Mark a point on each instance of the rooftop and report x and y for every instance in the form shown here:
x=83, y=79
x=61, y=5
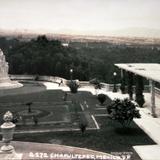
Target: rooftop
x=148, y=70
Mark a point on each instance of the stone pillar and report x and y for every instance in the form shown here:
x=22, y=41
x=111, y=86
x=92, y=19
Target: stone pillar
x=130, y=85
x=152, y=91
x=139, y=90
x=122, y=87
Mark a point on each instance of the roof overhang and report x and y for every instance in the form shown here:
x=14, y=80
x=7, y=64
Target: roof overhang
x=150, y=71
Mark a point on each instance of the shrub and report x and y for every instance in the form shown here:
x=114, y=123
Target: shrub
x=82, y=127
x=140, y=99
x=123, y=111
x=83, y=123
x=96, y=83
x=98, y=86
x=122, y=87
x=65, y=96
x=130, y=85
x=73, y=86
x=139, y=91
x=35, y=120
x=102, y=98
x=15, y=119
x=36, y=78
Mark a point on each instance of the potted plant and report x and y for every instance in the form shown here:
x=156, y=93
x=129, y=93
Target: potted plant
x=73, y=86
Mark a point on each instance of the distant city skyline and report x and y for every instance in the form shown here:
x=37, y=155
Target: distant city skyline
x=94, y=17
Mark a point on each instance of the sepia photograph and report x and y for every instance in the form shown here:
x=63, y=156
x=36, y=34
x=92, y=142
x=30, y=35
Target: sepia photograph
x=79, y=80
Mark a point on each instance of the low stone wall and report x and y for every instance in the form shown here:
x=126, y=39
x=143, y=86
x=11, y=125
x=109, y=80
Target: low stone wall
x=85, y=83
x=109, y=87
x=22, y=77
x=105, y=86
x=47, y=78
x=38, y=78
x=10, y=85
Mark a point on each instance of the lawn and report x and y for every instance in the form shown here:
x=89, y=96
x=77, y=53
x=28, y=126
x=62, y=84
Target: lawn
x=53, y=111
x=107, y=139
x=110, y=138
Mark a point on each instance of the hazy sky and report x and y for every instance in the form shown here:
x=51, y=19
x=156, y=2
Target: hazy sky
x=79, y=16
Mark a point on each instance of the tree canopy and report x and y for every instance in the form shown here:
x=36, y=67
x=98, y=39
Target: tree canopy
x=43, y=56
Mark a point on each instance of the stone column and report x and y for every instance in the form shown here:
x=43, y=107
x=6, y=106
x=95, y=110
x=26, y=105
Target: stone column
x=152, y=91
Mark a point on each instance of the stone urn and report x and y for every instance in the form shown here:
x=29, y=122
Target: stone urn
x=7, y=129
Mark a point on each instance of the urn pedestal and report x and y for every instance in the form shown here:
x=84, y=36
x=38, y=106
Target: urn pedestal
x=7, y=151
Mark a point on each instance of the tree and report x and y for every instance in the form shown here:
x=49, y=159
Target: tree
x=41, y=55
x=83, y=123
x=139, y=91
x=130, y=85
x=102, y=98
x=42, y=40
x=122, y=86
x=35, y=120
x=123, y=111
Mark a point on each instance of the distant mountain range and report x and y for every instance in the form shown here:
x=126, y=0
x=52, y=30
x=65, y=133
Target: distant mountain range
x=127, y=36
x=138, y=32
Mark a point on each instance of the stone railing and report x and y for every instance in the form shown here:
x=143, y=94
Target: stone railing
x=109, y=87
x=22, y=77
x=39, y=78
x=46, y=78
x=85, y=83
